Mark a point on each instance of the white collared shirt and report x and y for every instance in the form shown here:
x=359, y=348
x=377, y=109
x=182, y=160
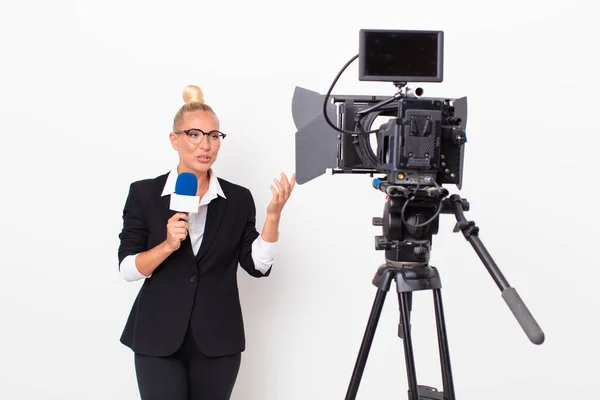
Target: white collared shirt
x=263, y=253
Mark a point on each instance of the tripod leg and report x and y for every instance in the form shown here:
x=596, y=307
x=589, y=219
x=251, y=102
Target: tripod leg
x=405, y=299
x=443, y=346
x=365, y=346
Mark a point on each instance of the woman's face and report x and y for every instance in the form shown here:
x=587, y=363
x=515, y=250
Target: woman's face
x=196, y=158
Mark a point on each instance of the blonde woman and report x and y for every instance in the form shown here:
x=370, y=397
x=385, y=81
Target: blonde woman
x=186, y=327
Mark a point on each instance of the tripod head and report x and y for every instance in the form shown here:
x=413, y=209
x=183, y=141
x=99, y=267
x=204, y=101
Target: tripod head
x=410, y=219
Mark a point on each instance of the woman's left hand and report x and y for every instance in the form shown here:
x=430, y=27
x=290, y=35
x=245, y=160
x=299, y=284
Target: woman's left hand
x=281, y=194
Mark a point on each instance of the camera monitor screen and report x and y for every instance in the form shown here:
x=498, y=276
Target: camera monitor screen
x=401, y=56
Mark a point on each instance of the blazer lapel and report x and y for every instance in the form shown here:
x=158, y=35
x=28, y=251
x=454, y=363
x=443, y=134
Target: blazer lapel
x=186, y=245
x=214, y=216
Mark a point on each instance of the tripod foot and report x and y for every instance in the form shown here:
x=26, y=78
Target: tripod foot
x=428, y=393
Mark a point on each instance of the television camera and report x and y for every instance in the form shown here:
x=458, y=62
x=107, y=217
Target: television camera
x=415, y=152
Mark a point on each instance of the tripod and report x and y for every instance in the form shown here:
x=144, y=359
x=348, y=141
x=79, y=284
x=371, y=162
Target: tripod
x=407, y=243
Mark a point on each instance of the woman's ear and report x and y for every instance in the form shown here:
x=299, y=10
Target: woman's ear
x=173, y=140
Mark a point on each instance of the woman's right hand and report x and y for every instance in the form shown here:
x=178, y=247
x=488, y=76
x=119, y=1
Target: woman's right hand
x=177, y=230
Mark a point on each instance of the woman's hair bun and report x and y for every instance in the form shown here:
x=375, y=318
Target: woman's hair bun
x=193, y=94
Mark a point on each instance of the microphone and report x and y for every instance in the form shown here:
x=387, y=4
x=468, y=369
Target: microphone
x=184, y=199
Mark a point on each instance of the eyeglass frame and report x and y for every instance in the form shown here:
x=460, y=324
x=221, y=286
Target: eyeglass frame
x=187, y=133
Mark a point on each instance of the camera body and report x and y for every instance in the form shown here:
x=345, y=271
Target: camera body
x=422, y=142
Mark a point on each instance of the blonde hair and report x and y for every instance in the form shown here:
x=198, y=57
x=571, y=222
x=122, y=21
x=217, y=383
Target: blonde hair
x=194, y=101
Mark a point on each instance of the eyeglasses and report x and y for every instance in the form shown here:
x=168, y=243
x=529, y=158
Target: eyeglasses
x=195, y=135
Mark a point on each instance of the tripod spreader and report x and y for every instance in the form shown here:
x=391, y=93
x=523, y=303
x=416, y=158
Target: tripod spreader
x=471, y=232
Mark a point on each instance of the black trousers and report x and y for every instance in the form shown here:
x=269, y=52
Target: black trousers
x=186, y=375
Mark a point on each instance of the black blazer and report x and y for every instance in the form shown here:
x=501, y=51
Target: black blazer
x=195, y=290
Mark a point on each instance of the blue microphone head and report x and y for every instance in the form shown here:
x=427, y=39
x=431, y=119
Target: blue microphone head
x=187, y=184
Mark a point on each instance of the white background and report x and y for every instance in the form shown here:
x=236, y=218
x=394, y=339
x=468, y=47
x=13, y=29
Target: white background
x=88, y=91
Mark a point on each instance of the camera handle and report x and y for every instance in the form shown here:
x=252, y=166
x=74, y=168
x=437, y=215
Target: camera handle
x=471, y=232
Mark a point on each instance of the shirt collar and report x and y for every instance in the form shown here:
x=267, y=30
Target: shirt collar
x=214, y=188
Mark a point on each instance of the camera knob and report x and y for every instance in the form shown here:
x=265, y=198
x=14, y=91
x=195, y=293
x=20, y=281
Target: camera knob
x=459, y=137
x=381, y=242
x=377, y=221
